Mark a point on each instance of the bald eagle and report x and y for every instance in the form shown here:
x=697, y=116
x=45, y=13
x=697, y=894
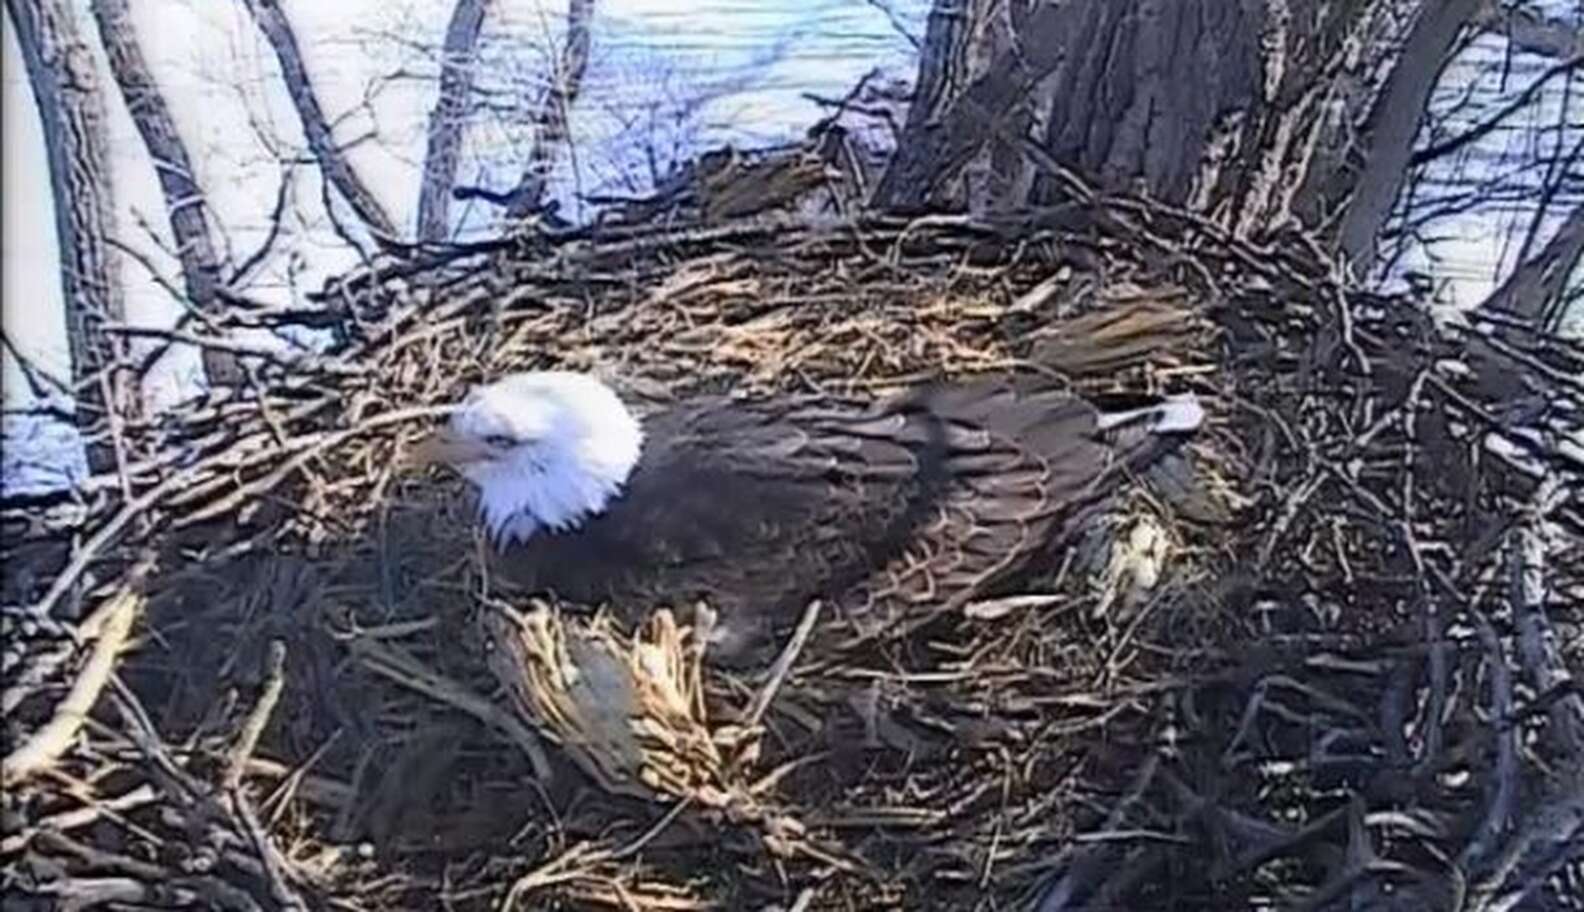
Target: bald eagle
x=894, y=512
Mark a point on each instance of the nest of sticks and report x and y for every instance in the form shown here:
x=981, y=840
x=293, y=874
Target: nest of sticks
x=260, y=665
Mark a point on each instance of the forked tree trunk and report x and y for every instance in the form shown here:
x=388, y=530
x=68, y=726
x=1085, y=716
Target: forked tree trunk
x=184, y=199
x=71, y=107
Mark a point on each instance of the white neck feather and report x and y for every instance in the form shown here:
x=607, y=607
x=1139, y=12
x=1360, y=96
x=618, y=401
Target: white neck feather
x=579, y=446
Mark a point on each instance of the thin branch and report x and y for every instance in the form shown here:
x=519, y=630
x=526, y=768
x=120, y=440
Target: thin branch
x=1523, y=99
x=552, y=116
x=331, y=157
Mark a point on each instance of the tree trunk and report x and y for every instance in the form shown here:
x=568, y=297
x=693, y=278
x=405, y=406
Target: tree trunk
x=1388, y=134
x=565, y=84
x=184, y=200
x=71, y=108
x=1252, y=114
x=445, y=124
x=277, y=30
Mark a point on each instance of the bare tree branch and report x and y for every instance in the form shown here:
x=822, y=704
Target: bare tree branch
x=1389, y=132
x=332, y=160
x=445, y=124
x=1518, y=103
x=565, y=84
x=71, y=109
x=1537, y=288
x=184, y=199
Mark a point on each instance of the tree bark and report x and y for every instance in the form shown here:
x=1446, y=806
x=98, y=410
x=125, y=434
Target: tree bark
x=71, y=108
x=1253, y=114
x=446, y=122
x=184, y=199
x=1386, y=143
x=955, y=112
x=1130, y=88
x=332, y=160
x=565, y=84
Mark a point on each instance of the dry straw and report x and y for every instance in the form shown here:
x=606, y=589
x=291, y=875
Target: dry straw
x=1326, y=663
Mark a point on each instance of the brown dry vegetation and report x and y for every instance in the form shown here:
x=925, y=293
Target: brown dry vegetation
x=1350, y=686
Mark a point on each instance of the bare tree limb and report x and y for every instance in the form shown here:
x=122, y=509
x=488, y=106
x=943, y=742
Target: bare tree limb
x=1393, y=123
x=65, y=83
x=565, y=84
x=1484, y=127
x=51, y=741
x=184, y=199
x=445, y=123
x=332, y=160
x=1537, y=287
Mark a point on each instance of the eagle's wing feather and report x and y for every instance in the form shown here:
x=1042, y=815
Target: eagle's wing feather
x=893, y=511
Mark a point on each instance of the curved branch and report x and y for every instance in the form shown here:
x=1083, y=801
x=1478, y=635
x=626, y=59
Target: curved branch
x=332, y=160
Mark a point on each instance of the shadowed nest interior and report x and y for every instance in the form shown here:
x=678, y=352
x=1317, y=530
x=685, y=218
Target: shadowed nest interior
x=1326, y=664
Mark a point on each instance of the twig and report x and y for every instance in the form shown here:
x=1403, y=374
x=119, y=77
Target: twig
x=50, y=742
x=648, y=836
x=45, y=665
x=66, y=821
x=402, y=668
x=274, y=863
x=253, y=725
x=783, y=663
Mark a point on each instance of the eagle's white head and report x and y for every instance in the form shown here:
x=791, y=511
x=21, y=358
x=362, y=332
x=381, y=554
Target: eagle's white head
x=547, y=450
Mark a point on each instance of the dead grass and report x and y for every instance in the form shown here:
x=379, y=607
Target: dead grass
x=1346, y=683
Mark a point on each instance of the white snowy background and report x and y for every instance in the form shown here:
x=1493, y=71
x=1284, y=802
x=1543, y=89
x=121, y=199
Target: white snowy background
x=666, y=80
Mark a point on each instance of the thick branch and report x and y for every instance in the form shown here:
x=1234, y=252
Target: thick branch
x=71, y=109
x=1393, y=123
x=184, y=200
x=277, y=29
x=445, y=123
x=1536, y=289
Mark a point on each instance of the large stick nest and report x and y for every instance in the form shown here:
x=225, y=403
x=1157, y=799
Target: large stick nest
x=261, y=666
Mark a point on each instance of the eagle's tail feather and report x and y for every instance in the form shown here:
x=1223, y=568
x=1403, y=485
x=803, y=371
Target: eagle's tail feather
x=1177, y=414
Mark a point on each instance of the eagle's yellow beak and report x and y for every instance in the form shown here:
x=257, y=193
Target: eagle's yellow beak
x=446, y=447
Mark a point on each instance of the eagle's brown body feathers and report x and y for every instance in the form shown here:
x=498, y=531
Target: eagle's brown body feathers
x=891, y=513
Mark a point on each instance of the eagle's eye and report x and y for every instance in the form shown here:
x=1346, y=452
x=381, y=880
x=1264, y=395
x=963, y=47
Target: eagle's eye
x=501, y=441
